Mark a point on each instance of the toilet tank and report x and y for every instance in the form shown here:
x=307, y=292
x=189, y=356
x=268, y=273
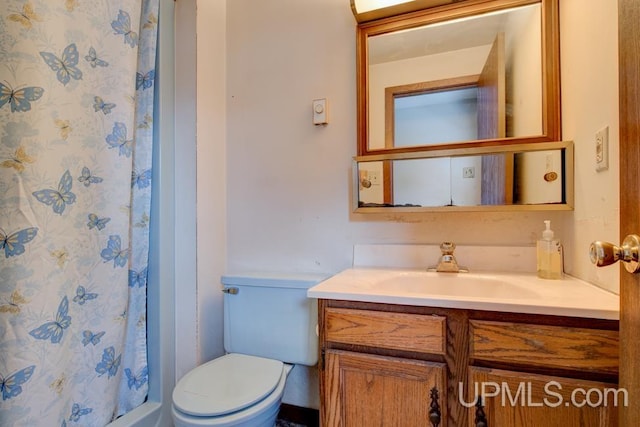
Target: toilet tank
x=271, y=316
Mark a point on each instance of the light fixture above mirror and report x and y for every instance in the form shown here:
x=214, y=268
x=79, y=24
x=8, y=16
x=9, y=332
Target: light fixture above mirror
x=369, y=10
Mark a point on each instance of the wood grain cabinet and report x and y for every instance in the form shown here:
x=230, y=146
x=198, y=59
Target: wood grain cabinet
x=524, y=399
x=391, y=365
x=383, y=386
x=364, y=390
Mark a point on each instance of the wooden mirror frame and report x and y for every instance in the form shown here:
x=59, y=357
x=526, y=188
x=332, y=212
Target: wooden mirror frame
x=550, y=50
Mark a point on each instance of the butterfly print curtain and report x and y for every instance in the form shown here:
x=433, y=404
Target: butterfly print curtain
x=76, y=140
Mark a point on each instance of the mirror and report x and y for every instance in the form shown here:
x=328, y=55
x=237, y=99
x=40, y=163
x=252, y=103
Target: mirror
x=467, y=74
x=527, y=176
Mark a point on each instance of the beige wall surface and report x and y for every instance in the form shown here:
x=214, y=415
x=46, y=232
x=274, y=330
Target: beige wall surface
x=275, y=188
x=288, y=180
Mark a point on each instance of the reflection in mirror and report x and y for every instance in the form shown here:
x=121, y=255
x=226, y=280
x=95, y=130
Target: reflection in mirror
x=431, y=116
x=481, y=75
x=539, y=179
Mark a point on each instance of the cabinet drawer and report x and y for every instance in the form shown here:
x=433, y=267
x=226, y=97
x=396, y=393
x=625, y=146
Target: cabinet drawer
x=581, y=349
x=397, y=331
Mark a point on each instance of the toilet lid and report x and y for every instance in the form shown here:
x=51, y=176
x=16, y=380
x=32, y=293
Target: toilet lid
x=226, y=384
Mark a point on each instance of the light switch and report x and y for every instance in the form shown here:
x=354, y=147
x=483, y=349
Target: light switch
x=320, y=116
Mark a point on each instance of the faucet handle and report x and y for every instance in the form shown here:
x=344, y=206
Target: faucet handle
x=447, y=248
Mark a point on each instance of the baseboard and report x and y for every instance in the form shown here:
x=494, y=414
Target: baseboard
x=296, y=414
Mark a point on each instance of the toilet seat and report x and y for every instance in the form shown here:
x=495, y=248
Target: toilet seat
x=227, y=384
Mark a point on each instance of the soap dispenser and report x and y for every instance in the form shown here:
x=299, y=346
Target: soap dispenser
x=549, y=255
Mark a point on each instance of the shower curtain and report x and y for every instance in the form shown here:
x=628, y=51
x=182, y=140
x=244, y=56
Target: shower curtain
x=76, y=139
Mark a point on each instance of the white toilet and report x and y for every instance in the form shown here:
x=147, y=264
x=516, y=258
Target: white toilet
x=269, y=325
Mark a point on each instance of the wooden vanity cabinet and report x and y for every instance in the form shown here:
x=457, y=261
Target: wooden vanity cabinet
x=528, y=393
x=387, y=365
x=526, y=399
x=392, y=365
x=363, y=389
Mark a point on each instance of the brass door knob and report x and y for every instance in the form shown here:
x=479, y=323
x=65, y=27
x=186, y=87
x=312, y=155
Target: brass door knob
x=605, y=253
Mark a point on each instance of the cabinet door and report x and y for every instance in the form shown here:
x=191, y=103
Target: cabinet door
x=362, y=389
x=519, y=399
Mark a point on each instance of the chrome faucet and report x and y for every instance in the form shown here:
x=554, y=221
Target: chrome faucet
x=447, y=262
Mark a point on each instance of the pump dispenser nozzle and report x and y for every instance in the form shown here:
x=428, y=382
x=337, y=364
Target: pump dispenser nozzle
x=549, y=253
x=548, y=233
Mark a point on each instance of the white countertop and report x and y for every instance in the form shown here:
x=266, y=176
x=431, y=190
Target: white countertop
x=508, y=292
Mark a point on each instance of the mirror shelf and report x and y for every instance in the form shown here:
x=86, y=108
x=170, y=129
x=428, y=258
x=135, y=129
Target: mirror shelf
x=399, y=45
x=522, y=177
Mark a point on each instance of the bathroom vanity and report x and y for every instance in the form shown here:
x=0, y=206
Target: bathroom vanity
x=397, y=350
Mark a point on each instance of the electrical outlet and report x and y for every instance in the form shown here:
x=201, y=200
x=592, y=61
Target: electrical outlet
x=469, y=172
x=602, y=149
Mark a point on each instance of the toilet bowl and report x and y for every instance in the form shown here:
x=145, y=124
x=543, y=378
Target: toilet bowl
x=269, y=326
x=233, y=390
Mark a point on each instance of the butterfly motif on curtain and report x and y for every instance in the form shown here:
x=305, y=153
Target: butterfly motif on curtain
x=13, y=244
x=138, y=278
x=11, y=386
x=60, y=198
x=18, y=160
x=93, y=60
x=144, y=221
x=89, y=337
x=58, y=384
x=77, y=411
x=61, y=256
x=19, y=99
x=114, y=252
x=87, y=179
x=83, y=296
x=109, y=364
x=64, y=67
x=118, y=138
x=100, y=105
x=146, y=122
x=26, y=17
x=13, y=304
x=145, y=81
x=138, y=380
x=122, y=25
x=64, y=126
x=54, y=329
x=70, y=5
x=97, y=222
x=152, y=22
x=142, y=179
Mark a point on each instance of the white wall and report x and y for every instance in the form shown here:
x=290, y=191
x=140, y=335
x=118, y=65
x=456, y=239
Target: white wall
x=413, y=181
x=524, y=74
x=531, y=169
x=184, y=153
x=211, y=174
x=373, y=172
x=287, y=181
x=589, y=46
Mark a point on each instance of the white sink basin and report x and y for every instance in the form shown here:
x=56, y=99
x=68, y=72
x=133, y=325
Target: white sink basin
x=512, y=292
x=446, y=284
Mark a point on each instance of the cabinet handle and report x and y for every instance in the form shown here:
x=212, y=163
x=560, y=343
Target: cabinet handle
x=481, y=418
x=434, y=408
